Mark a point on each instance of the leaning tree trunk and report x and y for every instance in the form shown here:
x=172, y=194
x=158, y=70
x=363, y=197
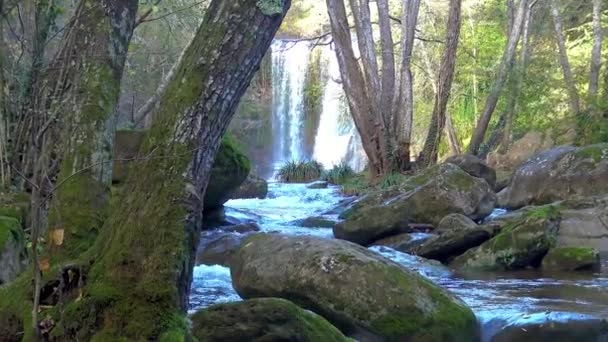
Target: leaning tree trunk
x=137, y=287
x=446, y=75
x=499, y=82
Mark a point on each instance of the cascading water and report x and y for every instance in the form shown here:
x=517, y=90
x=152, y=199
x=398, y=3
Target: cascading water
x=289, y=64
x=336, y=139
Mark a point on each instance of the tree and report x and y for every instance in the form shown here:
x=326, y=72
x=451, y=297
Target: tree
x=382, y=111
x=501, y=77
x=446, y=75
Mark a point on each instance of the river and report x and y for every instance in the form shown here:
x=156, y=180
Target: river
x=498, y=299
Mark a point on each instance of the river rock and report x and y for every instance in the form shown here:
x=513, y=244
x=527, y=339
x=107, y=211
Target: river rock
x=521, y=243
x=13, y=256
x=452, y=243
x=318, y=185
x=568, y=259
x=475, y=167
x=242, y=228
x=424, y=198
x=262, y=320
x=230, y=169
x=404, y=242
x=314, y=222
x=218, y=248
x=367, y=296
x=554, y=327
x=584, y=223
x=252, y=187
x=520, y=151
x=558, y=174
x=455, y=222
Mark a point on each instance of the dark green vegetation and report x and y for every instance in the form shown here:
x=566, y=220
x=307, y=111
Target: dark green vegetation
x=302, y=171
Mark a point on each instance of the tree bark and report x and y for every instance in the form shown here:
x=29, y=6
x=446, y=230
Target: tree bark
x=596, y=59
x=428, y=155
x=570, y=83
x=499, y=82
x=371, y=128
x=142, y=266
x=4, y=117
x=388, y=60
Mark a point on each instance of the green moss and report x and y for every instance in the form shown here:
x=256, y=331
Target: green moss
x=10, y=228
x=271, y=7
x=571, y=259
x=596, y=152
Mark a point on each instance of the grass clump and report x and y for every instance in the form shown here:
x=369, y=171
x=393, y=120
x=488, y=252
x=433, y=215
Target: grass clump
x=339, y=174
x=302, y=171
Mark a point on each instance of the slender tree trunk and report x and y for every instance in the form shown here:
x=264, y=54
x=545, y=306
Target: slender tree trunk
x=142, y=263
x=453, y=139
x=370, y=126
x=501, y=77
x=596, y=60
x=4, y=117
x=388, y=60
x=404, y=112
x=429, y=153
x=570, y=83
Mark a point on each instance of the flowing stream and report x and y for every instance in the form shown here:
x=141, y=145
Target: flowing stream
x=497, y=299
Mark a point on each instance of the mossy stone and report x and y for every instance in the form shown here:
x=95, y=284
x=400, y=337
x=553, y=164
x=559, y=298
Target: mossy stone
x=264, y=319
x=571, y=259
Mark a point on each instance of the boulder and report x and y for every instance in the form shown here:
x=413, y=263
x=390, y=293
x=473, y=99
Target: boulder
x=454, y=222
x=566, y=259
x=424, y=198
x=584, y=223
x=13, y=256
x=404, y=242
x=521, y=243
x=520, y=151
x=314, y=222
x=230, y=169
x=475, y=167
x=554, y=327
x=365, y=295
x=318, y=185
x=242, y=228
x=218, y=248
x=452, y=243
x=252, y=187
x=262, y=320
x=558, y=174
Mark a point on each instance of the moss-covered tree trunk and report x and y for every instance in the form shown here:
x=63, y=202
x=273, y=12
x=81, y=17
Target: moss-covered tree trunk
x=138, y=284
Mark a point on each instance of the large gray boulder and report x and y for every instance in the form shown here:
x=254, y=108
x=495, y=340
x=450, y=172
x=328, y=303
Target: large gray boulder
x=475, y=167
x=364, y=294
x=13, y=257
x=452, y=243
x=262, y=320
x=252, y=187
x=424, y=198
x=558, y=174
x=584, y=223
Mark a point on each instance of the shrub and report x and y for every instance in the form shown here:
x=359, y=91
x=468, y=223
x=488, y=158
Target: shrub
x=302, y=171
x=339, y=174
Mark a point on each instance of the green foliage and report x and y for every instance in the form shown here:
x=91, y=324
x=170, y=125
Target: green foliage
x=339, y=174
x=270, y=7
x=302, y=171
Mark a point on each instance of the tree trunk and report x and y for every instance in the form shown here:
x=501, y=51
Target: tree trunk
x=142, y=266
x=388, y=61
x=499, y=82
x=594, y=113
x=570, y=83
x=446, y=75
x=4, y=117
x=371, y=128
x=404, y=111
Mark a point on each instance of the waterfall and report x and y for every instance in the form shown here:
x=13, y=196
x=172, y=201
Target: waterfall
x=336, y=136
x=289, y=65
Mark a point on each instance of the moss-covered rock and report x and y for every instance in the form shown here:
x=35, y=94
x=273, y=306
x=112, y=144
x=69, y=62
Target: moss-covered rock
x=455, y=222
x=452, y=243
x=252, y=187
x=362, y=293
x=571, y=259
x=558, y=174
x=424, y=198
x=13, y=257
x=265, y=319
x=521, y=243
x=404, y=242
x=230, y=169
x=475, y=167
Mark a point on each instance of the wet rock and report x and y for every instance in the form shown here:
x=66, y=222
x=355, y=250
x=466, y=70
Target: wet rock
x=318, y=185
x=252, y=187
x=342, y=206
x=424, y=198
x=521, y=243
x=13, y=256
x=364, y=294
x=520, y=151
x=264, y=319
x=242, y=228
x=230, y=169
x=455, y=222
x=314, y=222
x=475, y=167
x=572, y=259
x=554, y=327
x=405, y=242
x=584, y=223
x=558, y=174
x=218, y=248
x=214, y=218
x=452, y=243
